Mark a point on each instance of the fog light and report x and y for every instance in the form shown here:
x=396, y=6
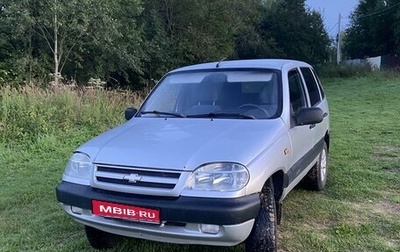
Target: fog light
x=210, y=229
x=76, y=210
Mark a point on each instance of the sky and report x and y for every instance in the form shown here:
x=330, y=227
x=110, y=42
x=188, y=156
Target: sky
x=330, y=10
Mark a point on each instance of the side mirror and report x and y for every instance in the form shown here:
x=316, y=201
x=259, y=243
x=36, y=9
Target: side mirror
x=129, y=113
x=308, y=116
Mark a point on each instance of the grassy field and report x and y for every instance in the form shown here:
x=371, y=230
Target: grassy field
x=358, y=211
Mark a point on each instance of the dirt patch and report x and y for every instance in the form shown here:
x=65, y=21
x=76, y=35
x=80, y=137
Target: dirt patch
x=387, y=153
x=386, y=208
x=389, y=157
x=381, y=208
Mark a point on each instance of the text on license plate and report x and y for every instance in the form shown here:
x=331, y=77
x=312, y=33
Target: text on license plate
x=107, y=209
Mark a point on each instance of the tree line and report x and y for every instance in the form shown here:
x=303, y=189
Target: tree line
x=374, y=29
x=130, y=43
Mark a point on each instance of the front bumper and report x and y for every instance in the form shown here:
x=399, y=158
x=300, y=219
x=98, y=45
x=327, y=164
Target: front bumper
x=181, y=217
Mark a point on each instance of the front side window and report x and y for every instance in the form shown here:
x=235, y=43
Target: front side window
x=224, y=94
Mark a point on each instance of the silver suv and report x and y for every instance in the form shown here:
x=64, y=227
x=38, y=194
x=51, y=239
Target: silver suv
x=207, y=158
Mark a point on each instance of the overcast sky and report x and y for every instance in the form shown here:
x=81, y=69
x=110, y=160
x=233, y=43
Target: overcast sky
x=330, y=10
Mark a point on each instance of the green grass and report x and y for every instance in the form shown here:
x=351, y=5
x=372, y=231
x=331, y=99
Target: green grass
x=358, y=211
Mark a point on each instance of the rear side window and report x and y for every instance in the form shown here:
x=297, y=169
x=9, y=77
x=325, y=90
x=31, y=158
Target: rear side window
x=319, y=84
x=312, y=86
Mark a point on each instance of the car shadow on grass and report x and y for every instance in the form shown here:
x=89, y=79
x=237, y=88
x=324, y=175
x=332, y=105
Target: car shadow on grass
x=132, y=244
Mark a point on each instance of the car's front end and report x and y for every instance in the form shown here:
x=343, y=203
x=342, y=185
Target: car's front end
x=187, y=193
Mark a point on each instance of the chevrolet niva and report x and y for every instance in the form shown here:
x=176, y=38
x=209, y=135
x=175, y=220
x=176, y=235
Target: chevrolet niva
x=207, y=159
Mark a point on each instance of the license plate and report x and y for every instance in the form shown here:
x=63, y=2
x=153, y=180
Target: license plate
x=113, y=210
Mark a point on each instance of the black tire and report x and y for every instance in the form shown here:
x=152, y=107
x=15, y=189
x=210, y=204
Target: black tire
x=317, y=176
x=101, y=240
x=263, y=237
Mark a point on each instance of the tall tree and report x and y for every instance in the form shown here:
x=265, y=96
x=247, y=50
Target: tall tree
x=374, y=29
x=68, y=26
x=202, y=30
x=19, y=46
x=297, y=31
x=253, y=40
x=70, y=34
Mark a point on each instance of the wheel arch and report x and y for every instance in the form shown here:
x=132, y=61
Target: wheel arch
x=277, y=180
x=327, y=139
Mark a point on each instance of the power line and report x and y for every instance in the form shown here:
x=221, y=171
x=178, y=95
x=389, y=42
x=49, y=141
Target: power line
x=333, y=27
x=379, y=12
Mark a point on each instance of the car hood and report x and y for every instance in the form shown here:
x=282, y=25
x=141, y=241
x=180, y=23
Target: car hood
x=182, y=143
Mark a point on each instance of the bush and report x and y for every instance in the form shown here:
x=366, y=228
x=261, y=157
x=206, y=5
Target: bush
x=343, y=71
x=29, y=114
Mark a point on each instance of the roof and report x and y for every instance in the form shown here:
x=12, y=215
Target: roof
x=256, y=63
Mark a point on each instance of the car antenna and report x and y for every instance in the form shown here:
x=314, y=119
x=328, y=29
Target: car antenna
x=219, y=62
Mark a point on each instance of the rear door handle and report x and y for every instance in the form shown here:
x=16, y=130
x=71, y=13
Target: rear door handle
x=325, y=114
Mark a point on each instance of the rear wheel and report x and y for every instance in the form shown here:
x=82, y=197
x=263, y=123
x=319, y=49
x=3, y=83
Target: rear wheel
x=263, y=236
x=101, y=240
x=316, y=177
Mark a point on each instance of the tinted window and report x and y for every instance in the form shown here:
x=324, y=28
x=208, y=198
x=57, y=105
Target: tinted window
x=312, y=86
x=296, y=90
x=319, y=84
x=227, y=93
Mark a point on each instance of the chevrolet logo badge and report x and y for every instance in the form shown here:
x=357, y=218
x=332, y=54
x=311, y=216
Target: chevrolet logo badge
x=132, y=178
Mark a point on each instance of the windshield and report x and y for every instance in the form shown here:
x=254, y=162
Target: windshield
x=223, y=94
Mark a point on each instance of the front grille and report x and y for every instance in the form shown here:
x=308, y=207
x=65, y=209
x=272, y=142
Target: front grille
x=133, y=177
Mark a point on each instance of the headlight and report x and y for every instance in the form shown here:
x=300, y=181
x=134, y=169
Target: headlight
x=78, y=169
x=218, y=177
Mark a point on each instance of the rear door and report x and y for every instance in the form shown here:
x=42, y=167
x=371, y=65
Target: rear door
x=301, y=136
x=317, y=99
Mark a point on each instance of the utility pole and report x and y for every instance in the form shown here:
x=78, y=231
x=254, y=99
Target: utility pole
x=339, y=40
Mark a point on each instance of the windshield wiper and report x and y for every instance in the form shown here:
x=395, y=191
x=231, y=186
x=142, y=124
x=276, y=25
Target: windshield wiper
x=222, y=115
x=156, y=112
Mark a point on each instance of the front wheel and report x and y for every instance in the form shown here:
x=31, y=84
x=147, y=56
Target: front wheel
x=101, y=240
x=263, y=237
